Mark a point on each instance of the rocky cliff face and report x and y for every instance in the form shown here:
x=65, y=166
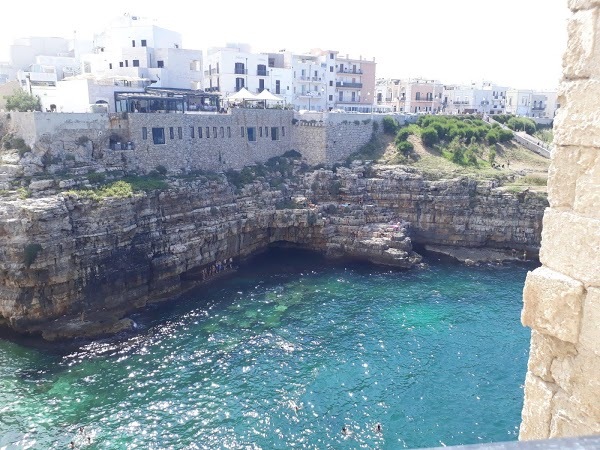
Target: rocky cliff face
x=69, y=263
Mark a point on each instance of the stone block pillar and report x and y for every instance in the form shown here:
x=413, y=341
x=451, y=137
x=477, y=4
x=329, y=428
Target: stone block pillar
x=562, y=298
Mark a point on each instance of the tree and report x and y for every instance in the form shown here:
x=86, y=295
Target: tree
x=22, y=101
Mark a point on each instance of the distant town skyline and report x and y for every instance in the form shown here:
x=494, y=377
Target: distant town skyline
x=517, y=43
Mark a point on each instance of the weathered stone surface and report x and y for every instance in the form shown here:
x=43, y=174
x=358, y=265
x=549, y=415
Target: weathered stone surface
x=552, y=304
x=571, y=245
x=576, y=5
x=590, y=321
x=578, y=119
x=543, y=351
x=587, y=192
x=537, y=409
x=582, y=58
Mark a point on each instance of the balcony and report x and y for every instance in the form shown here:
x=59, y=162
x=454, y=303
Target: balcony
x=312, y=94
x=346, y=70
x=309, y=79
x=241, y=71
x=262, y=73
x=347, y=85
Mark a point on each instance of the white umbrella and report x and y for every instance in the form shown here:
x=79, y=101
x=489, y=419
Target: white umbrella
x=242, y=94
x=266, y=95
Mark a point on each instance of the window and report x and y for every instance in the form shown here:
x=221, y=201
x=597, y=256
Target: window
x=222, y=132
x=341, y=96
x=330, y=82
x=331, y=68
x=192, y=132
x=180, y=132
x=133, y=43
x=418, y=96
x=259, y=131
x=120, y=63
x=331, y=98
x=331, y=56
x=267, y=131
x=199, y=132
x=242, y=131
x=136, y=63
x=261, y=70
x=207, y=132
x=143, y=42
x=228, y=132
x=171, y=133
x=126, y=63
x=261, y=85
x=144, y=133
x=215, y=132
x=283, y=131
x=274, y=133
x=110, y=65
x=160, y=64
x=239, y=68
x=158, y=135
x=251, y=134
x=239, y=84
x=277, y=87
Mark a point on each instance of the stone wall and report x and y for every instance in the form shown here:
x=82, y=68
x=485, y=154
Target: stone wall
x=328, y=143
x=562, y=298
x=191, y=141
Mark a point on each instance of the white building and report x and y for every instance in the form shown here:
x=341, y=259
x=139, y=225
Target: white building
x=133, y=48
x=485, y=98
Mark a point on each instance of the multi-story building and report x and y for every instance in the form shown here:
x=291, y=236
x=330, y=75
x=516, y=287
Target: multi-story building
x=486, y=98
x=319, y=80
x=133, y=48
x=233, y=67
x=410, y=96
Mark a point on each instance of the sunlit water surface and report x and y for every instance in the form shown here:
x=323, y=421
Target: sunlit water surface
x=437, y=356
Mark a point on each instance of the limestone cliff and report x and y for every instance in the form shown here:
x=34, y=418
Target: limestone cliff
x=62, y=255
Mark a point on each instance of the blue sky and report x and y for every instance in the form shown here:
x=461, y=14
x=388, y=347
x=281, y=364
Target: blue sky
x=518, y=43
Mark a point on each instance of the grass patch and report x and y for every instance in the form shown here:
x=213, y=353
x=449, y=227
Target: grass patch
x=125, y=188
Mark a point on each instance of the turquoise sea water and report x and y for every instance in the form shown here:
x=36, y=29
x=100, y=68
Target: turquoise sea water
x=437, y=356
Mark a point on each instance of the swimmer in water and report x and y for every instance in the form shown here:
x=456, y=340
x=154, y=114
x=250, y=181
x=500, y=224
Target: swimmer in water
x=345, y=431
x=294, y=406
x=378, y=428
x=72, y=444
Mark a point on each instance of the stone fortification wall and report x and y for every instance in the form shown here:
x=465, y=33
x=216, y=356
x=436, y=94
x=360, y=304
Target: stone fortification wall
x=562, y=298
x=328, y=143
x=141, y=142
x=208, y=141
x=310, y=140
x=346, y=138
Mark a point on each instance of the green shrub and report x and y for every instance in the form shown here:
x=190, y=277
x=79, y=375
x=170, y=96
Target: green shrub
x=96, y=178
x=30, y=253
x=82, y=141
x=23, y=193
x=429, y=136
x=492, y=136
x=403, y=134
x=492, y=157
x=161, y=170
x=357, y=122
x=405, y=147
x=335, y=187
x=22, y=101
x=505, y=135
x=390, y=126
